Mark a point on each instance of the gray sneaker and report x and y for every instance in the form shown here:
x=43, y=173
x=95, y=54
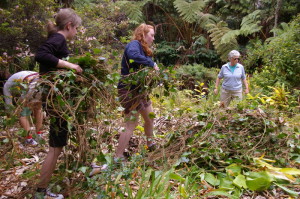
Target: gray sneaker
x=47, y=195
x=97, y=169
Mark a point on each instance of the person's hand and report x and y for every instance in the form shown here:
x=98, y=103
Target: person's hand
x=76, y=67
x=246, y=91
x=156, y=67
x=216, y=91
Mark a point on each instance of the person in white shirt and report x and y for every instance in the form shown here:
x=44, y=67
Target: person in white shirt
x=20, y=89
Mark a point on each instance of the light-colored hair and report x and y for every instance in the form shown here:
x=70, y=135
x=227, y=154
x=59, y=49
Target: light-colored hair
x=139, y=34
x=233, y=53
x=62, y=18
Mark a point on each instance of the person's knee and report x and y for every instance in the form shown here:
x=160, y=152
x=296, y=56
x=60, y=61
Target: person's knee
x=130, y=126
x=149, y=121
x=56, y=150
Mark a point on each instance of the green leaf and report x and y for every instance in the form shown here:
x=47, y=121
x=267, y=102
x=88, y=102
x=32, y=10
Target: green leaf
x=152, y=115
x=101, y=157
x=131, y=61
x=84, y=90
x=234, y=169
x=220, y=192
x=258, y=181
x=96, y=50
x=240, y=181
x=60, y=100
x=226, y=183
x=210, y=178
x=183, y=191
x=83, y=169
x=177, y=177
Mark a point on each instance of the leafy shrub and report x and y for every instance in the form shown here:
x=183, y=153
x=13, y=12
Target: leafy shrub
x=283, y=52
x=190, y=74
x=22, y=26
x=253, y=59
x=167, y=53
x=22, y=31
x=200, y=54
x=171, y=53
x=279, y=56
x=102, y=22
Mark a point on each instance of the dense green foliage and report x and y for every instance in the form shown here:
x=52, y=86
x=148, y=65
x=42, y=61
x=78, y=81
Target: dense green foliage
x=278, y=57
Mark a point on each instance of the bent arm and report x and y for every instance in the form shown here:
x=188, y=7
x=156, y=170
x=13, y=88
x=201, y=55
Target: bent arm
x=134, y=53
x=246, y=86
x=64, y=64
x=46, y=56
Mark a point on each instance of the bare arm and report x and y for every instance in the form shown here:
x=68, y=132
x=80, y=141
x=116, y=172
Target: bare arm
x=65, y=64
x=217, y=85
x=246, y=86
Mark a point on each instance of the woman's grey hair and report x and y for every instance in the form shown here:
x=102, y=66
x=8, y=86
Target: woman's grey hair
x=233, y=53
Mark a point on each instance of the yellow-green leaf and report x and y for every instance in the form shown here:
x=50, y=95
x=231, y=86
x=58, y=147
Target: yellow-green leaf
x=240, y=181
x=234, y=169
x=210, y=178
x=290, y=171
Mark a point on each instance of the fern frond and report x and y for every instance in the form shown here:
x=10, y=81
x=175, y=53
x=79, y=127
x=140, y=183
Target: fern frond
x=223, y=38
x=188, y=11
x=133, y=9
x=230, y=36
x=284, y=28
x=205, y=18
x=250, y=23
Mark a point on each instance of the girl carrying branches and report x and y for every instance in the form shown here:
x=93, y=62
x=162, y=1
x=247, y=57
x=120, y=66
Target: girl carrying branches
x=50, y=56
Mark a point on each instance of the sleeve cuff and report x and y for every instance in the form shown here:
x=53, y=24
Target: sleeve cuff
x=152, y=64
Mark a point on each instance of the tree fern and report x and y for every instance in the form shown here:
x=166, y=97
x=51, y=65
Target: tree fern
x=205, y=18
x=188, y=11
x=250, y=23
x=229, y=36
x=241, y=6
x=133, y=9
x=283, y=28
x=217, y=32
x=224, y=38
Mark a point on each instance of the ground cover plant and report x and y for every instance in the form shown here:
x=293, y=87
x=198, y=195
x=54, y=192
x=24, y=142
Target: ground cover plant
x=248, y=150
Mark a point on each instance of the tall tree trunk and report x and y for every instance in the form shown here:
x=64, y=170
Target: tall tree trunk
x=277, y=10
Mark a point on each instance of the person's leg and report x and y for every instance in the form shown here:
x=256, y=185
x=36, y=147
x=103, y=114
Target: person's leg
x=148, y=125
x=49, y=166
x=25, y=124
x=225, y=97
x=237, y=95
x=58, y=135
x=38, y=115
x=131, y=121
